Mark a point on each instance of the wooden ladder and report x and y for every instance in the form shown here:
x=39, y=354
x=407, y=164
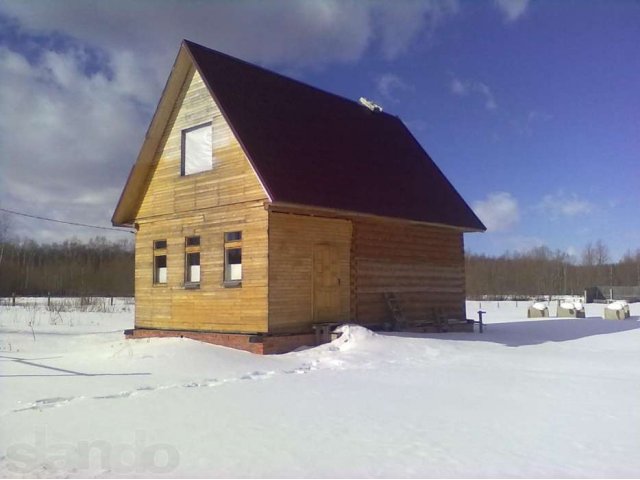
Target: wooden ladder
x=394, y=307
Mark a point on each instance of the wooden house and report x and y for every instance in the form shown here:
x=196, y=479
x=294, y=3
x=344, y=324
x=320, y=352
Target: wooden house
x=264, y=207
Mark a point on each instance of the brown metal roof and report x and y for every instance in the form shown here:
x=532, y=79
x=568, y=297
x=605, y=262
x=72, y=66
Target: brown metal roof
x=310, y=147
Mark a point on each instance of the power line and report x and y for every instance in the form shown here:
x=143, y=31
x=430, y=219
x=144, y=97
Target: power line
x=62, y=221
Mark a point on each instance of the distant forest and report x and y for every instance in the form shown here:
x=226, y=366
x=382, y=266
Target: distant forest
x=97, y=267
x=100, y=267
x=541, y=271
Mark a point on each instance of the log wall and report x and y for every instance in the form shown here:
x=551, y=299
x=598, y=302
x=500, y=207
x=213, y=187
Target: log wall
x=423, y=265
x=291, y=256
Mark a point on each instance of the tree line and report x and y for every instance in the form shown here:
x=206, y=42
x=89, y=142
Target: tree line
x=97, y=267
x=542, y=271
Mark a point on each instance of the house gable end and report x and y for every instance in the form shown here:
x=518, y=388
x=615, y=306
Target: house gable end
x=230, y=180
x=157, y=185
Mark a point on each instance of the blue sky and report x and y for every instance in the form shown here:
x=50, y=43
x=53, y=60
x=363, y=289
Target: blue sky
x=530, y=108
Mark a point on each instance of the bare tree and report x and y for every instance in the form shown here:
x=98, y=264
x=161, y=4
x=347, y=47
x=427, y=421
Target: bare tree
x=4, y=232
x=5, y=224
x=602, y=253
x=588, y=257
x=595, y=254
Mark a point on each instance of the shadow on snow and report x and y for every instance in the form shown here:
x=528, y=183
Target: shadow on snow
x=63, y=371
x=535, y=332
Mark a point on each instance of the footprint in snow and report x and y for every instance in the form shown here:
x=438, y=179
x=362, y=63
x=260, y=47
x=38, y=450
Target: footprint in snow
x=204, y=383
x=256, y=375
x=115, y=395
x=305, y=368
x=192, y=385
x=46, y=403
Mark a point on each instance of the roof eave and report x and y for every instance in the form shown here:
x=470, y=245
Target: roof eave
x=315, y=210
x=133, y=192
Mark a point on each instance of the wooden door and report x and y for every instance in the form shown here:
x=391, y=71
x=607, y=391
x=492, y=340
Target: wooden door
x=326, y=283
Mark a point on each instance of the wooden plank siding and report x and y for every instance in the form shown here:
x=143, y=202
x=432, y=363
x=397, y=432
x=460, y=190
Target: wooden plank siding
x=291, y=270
x=227, y=198
x=213, y=306
x=232, y=180
x=423, y=265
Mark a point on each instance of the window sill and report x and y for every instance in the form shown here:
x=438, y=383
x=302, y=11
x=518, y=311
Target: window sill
x=192, y=175
x=232, y=283
x=192, y=286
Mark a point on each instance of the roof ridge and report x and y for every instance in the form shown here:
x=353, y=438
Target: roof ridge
x=342, y=98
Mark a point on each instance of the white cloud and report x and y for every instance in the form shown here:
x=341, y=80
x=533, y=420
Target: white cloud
x=466, y=87
x=399, y=23
x=573, y=252
x=69, y=137
x=278, y=31
x=499, y=211
x=458, y=88
x=512, y=9
x=74, y=131
x=389, y=84
x=536, y=116
x=527, y=125
x=489, y=101
x=523, y=243
x=566, y=205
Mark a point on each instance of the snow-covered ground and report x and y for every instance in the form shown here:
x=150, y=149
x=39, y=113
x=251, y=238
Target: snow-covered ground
x=527, y=398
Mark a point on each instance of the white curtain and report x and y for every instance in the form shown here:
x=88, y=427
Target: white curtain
x=194, y=273
x=198, y=150
x=162, y=275
x=235, y=271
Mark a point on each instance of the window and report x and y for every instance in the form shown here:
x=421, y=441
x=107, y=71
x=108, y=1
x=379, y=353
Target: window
x=192, y=262
x=232, y=236
x=192, y=241
x=160, y=262
x=232, y=258
x=197, y=149
x=193, y=268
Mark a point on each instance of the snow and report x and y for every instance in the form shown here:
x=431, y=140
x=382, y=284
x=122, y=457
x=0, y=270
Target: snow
x=542, y=397
x=539, y=306
x=618, y=305
x=572, y=305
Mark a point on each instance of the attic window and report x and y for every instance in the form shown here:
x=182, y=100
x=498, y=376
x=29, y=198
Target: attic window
x=197, y=149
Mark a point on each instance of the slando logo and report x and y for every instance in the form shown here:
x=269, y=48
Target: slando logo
x=119, y=458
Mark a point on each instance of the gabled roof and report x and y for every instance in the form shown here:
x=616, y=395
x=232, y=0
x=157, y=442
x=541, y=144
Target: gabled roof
x=314, y=148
